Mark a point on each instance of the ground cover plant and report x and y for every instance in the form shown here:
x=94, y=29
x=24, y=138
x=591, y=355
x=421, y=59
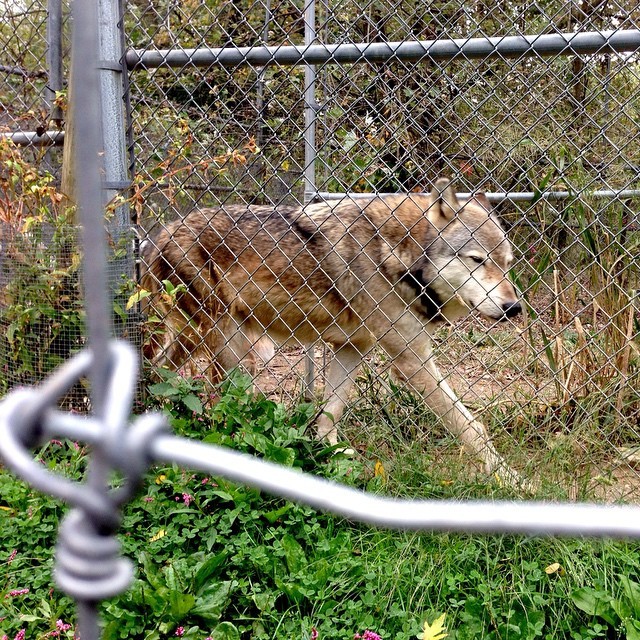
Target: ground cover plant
x=216, y=560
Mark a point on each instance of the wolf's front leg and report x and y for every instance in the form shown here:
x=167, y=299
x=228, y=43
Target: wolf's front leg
x=413, y=365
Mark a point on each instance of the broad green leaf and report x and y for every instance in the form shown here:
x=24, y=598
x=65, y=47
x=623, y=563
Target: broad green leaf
x=180, y=604
x=212, y=602
x=631, y=590
x=282, y=455
x=208, y=569
x=226, y=631
x=192, y=403
x=595, y=603
x=632, y=627
x=274, y=516
x=293, y=553
x=139, y=295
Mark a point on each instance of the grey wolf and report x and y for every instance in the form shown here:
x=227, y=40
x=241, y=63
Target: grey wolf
x=360, y=275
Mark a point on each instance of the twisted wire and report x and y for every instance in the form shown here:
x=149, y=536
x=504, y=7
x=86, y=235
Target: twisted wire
x=88, y=562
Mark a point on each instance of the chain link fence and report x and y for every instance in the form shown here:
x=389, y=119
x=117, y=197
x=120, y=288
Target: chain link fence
x=42, y=318
x=549, y=133
x=534, y=104
x=34, y=48
x=39, y=311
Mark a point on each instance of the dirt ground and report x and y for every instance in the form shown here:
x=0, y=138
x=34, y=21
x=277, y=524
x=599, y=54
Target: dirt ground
x=495, y=370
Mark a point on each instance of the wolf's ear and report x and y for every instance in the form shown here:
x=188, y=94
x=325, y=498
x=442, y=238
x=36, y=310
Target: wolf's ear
x=481, y=198
x=445, y=203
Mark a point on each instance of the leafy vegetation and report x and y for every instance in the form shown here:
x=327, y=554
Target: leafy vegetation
x=224, y=561
x=41, y=318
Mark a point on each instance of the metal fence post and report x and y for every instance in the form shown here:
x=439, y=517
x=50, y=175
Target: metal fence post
x=110, y=64
x=54, y=59
x=310, y=153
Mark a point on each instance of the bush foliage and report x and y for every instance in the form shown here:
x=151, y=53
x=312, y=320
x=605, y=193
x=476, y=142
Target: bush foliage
x=219, y=560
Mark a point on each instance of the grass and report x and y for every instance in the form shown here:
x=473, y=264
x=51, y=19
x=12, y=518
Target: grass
x=224, y=561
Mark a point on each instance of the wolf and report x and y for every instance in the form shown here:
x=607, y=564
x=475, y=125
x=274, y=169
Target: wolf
x=379, y=273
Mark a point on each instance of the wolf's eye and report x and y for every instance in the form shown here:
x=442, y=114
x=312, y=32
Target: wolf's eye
x=477, y=259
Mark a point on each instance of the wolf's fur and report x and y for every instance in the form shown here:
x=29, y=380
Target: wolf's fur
x=380, y=272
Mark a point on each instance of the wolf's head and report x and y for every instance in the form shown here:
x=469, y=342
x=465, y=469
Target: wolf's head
x=466, y=263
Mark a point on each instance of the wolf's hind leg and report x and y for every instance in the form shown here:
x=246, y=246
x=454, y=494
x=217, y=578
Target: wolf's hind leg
x=342, y=374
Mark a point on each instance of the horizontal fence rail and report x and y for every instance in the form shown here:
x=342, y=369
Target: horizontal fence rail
x=25, y=138
x=516, y=196
x=582, y=43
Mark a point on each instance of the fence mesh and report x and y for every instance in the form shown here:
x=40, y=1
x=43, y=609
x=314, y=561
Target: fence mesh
x=557, y=386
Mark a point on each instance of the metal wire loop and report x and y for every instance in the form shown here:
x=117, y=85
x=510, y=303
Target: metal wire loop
x=27, y=417
x=88, y=564
x=15, y=408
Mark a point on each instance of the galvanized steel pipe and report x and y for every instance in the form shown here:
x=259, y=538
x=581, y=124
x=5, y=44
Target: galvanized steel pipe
x=590, y=42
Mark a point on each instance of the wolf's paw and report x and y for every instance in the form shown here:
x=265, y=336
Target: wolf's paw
x=347, y=452
x=505, y=476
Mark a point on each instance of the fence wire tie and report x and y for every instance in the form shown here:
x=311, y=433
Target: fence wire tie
x=88, y=562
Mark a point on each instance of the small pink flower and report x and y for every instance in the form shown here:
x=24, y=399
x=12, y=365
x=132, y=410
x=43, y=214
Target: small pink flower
x=180, y=631
x=187, y=498
x=12, y=556
x=16, y=592
x=314, y=633
x=56, y=442
x=62, y=626
x=20, y=635
x=148, y=499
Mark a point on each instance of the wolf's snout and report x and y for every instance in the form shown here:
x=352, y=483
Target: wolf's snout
x=511, y=309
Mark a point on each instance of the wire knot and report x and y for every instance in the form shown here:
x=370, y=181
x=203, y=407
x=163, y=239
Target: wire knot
x=88, y=555
x=88, y=564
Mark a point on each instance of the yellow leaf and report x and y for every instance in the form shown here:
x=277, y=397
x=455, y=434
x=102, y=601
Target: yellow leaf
x=555, y=567
x=161, y=534
x=139, y=295
x=379, y=471
x=160, y=479
x=435, y=631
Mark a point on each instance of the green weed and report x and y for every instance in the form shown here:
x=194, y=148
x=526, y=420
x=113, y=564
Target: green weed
x=224, y=561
